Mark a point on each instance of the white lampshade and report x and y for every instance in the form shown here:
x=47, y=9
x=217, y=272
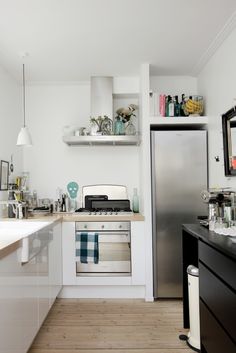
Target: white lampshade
x=24, y=137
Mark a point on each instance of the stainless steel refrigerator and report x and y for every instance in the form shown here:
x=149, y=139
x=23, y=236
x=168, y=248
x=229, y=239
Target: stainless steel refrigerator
x=179, y=174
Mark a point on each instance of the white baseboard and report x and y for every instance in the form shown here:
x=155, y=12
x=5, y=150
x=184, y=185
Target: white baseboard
x=149, y=299
x=106, y=292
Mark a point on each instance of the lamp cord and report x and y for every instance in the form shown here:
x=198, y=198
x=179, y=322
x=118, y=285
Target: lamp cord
x=24, y=93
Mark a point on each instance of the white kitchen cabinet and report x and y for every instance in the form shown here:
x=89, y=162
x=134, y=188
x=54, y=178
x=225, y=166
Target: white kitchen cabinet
x=18, y=303
x=55, y=263
x=68, y=253
x=42, y=260
x=49, y=275
x=28, y=290
x=138, y=253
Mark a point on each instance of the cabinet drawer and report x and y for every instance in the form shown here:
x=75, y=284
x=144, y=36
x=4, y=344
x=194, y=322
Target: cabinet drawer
x=219, y=263
x=213, y=337
x=219, y=298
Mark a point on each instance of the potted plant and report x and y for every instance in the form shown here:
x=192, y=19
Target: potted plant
x=123, y=123
x=102, y=125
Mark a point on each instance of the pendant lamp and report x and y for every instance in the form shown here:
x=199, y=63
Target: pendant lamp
x=24, y=137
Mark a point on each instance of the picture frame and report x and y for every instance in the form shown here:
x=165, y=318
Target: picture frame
x=229, y=141
x=4, y=175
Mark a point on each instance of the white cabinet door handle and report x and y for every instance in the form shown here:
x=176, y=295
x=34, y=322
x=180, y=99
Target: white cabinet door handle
x=25, y=250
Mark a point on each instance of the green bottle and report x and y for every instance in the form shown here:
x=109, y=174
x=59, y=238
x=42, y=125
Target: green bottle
x=177, y=106
x=168, y=99
x=182, y=103
x=135, y=201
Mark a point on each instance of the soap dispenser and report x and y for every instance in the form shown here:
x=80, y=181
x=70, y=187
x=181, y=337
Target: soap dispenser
x=135, y=201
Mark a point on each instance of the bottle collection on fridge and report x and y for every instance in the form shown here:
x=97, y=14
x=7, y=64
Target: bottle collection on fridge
x=170, y=106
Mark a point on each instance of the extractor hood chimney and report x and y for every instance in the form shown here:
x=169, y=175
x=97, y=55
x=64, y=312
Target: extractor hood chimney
x=101, y=96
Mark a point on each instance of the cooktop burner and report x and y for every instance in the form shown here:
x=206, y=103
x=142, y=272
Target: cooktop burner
x=98, y=206
x=104, y=212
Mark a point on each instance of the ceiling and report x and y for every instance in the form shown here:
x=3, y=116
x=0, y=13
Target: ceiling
x=71, y=40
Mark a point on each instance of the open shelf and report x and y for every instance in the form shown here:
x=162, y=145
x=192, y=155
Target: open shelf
x=105, y=140
x=185, y=120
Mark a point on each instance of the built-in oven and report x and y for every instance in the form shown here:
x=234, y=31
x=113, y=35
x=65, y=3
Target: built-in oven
x=113, y=247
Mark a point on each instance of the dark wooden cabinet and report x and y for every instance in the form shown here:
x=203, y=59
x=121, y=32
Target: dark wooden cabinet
x=217, y=288
x=220, y=264
x=213, y=338
x=217, y=300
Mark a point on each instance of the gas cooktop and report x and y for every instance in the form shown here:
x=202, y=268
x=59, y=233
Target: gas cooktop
x=105, y=207
x=104, y=212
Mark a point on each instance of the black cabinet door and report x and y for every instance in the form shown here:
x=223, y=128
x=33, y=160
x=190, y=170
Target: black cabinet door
x=219, y=298
x=213, y=337
x=223, y=266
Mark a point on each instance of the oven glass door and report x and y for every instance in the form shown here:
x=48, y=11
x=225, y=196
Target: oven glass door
x=114, y=256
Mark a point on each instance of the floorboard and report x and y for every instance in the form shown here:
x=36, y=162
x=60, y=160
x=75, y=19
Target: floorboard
x=112, y=326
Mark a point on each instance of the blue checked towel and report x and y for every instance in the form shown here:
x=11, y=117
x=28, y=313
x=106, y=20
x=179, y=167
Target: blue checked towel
x=87, y=249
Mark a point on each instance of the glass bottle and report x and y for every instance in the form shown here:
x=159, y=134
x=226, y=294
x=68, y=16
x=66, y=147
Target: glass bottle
x=119, y=127
x=182, y=103
x=11, y=196
x=168, y=99
x=171, y=107
x=35, y=199
x=177, y=106
x=130, y=128
x=135, y=201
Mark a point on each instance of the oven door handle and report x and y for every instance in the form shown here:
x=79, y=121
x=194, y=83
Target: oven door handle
x=111, y=237
x=102, y=232
x=113, y=233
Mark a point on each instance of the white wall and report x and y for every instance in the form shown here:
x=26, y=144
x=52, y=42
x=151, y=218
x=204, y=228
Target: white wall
x=174, y=85
x=10, y=122
x=217, y=82
x=52, y=163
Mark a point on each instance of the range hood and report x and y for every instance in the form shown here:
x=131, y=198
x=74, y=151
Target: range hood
x=101, y=96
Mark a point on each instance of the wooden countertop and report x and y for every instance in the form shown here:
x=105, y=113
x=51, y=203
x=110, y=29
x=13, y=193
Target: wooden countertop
x=76, y=217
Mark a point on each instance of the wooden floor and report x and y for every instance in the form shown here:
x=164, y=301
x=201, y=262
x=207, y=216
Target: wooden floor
x=112, y=326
